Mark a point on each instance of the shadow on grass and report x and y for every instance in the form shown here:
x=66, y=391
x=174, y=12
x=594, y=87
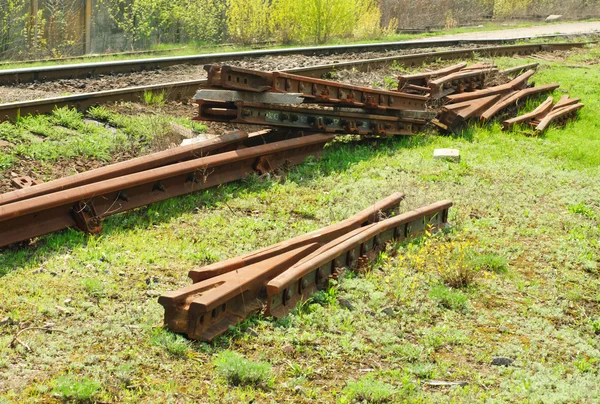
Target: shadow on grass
x=338, y=157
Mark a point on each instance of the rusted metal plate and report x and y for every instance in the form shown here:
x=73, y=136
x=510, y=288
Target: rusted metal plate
x=313, y=90
x=316, y=120
x=24, y=182
x=519, y=95
x=538, y=113
x=207, y=309
x=44, y=214
x=228, y=141
x=379, y=211
x=312, y=272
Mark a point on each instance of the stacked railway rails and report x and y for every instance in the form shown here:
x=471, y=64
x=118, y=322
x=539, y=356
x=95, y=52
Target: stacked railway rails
x=304, y=114
x=183, y=90
x=276, y=278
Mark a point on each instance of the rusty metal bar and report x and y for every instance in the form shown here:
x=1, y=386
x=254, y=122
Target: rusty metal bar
x=560, y=114
x=519, y=69
x=85, y=206
x=564, y=101
x=317, y=120
x=383, y=209
x=480, y=66
x=208, y=308
x=312, y=273
x=422, y=79
x=459, y=82
x=539, y=112
x=528, y=92
x=313, y=90
x=455, y=116
x=517, y=83
x=227, y=142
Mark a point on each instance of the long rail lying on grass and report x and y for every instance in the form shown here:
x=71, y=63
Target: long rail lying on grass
x=226, y=293
x=84, y=206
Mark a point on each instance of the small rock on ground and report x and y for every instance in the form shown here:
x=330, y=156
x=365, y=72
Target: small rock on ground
x=347, y=304
x=500, y=361
x=388, y=311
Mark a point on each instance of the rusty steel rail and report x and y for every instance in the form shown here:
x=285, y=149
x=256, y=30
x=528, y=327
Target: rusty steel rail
x=85, y=206
x=454, y=117
x=313, y=90
x=86, y=70
x=422, y=79
x=308, y=276
x=187, y=89
x=385, y=208
x=517, y=83
x=540, y=111
x=208, y=308
x=515, y=97
x=558, y=115
x=227, y=142
x=307, y=119
x=459, y=82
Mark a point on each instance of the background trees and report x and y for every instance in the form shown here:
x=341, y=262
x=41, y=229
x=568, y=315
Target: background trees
x=34, y=28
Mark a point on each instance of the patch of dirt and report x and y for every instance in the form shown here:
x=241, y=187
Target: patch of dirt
x=14, y=94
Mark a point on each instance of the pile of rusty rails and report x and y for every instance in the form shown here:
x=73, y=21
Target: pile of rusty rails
x=82, y=200
x=184, y=90
x=284, y=100
x=466, y=97
x=276, y=278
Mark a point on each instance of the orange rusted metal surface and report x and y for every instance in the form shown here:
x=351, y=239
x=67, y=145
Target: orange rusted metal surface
x=228, y=141
x=381, y=210
x=83, y=207
x=313, y=90
x=278, y=277
x=312, y=273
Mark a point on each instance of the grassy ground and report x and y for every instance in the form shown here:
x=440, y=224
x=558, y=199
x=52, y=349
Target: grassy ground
x=66, y=142
x=526, y=225
x=166, y=50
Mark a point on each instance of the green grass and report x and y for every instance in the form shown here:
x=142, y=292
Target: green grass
x=70, y=388
x=525, y=218
x=367, y=390
x=151, y=98
x=43, y=140
x=448, y=298
x=240, y=371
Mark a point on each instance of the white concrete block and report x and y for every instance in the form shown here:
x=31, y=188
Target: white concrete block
x=447, y=154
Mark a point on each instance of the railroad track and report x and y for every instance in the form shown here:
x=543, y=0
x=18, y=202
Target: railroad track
x=183, y=90
x=87, y=70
